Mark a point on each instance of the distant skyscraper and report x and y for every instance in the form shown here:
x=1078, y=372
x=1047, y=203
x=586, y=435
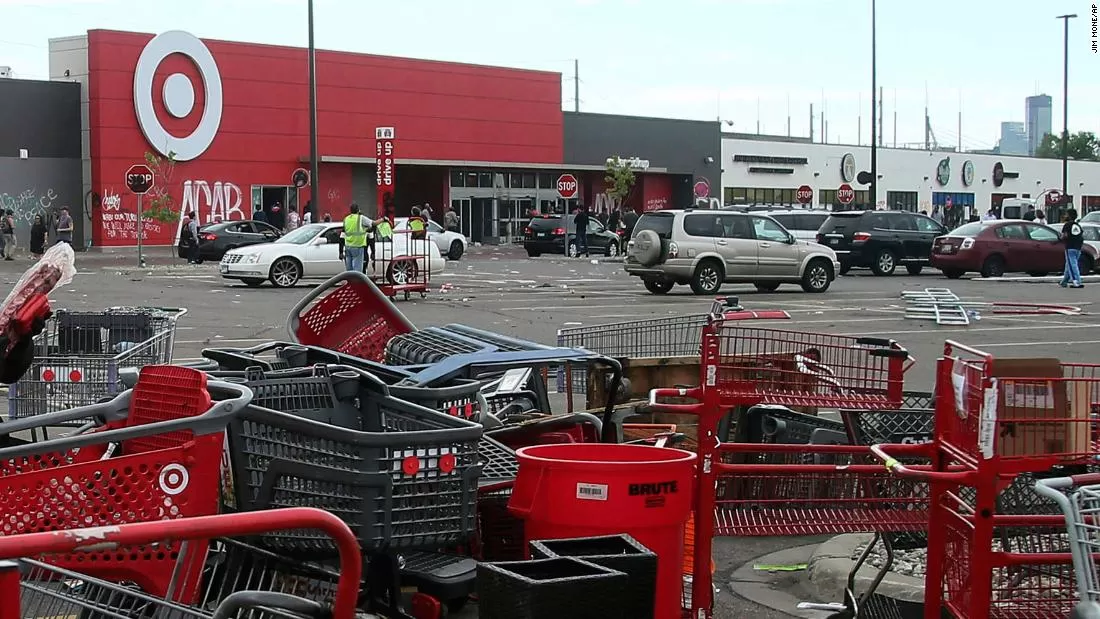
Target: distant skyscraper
x=1013, y=139
x=1038, y=121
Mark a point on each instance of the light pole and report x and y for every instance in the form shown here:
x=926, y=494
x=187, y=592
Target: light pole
x=874, y=112
x=314, y=180
x=1065, y=101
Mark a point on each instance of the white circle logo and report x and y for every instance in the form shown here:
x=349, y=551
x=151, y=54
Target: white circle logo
x=173, y=479
x=178, y=95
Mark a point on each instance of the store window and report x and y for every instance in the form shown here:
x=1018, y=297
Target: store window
x=961, y=211
x=902, y=200
x=997, y=199
x=458, y=178
x=546, y=181
x=735, y=195
x=759, y=195
x=1090, y=203
x=828, y=197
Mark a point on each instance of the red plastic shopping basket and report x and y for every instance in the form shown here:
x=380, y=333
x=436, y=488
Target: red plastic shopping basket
x=158, y=460
x=348, y=314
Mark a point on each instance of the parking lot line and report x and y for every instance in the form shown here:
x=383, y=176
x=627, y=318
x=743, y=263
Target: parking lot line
x=961, y=329
x=1052, y=343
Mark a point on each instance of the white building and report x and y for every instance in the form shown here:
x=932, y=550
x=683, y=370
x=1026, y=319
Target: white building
x=769, y=170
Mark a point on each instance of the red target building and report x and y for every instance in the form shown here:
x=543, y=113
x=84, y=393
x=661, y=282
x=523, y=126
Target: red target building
x=489, y=141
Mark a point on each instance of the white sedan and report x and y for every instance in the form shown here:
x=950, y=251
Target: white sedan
x=312, y=252
x=450, y=244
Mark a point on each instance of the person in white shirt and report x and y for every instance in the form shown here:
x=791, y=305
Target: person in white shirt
x=990, y=215
x=291, y=219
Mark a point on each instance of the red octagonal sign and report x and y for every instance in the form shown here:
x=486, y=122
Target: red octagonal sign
x=139, y=178
x=568, y=186
x=845, y=194
x=805, y=194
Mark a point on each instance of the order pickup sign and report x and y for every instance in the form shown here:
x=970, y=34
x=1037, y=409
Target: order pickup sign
x=139, y=179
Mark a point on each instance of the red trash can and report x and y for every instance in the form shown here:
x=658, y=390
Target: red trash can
x=589, y=489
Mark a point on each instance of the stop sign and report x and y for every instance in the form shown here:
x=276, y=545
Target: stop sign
x=845, y=194
x=804, y=194
x=568, y=186
x=139, y=178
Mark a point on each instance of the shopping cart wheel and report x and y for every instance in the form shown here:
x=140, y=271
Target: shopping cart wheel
x=424, y=606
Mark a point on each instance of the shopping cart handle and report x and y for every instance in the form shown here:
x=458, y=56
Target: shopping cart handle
x=240, y=600
x=694, y=393
x=899, y=469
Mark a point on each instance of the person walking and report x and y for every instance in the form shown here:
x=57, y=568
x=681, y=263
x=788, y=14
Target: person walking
x=1074, y=238
x=581, y=221
x=450, y=220
x=1030, y=214
x=65, y=226
x=292, y=220
x=1040, y=217
x=192, y=238
x=356, y=227
x=37, y=241
x=7, y=227
x=613, y=223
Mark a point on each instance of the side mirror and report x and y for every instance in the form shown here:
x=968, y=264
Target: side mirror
x=319, y=241
x=791, y=240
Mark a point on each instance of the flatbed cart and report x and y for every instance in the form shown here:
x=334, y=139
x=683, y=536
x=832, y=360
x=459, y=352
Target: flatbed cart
x=232, y=584
x=402, y=270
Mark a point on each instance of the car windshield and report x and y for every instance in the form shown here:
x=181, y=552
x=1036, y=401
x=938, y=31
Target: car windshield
x=970, y=229
x=1093, y=216
x=301, y=236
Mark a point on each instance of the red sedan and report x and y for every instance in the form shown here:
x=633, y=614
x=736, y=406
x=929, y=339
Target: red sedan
x=1001, y=246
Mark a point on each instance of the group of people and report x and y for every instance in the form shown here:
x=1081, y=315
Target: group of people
x=614, y=221
x=39, y=234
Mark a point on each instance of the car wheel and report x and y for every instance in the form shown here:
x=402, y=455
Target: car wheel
x=657, y=286
x=817, y=276
x=1037, y=273
x=402, y=272
x=707, y=278
x=884, y=263
x=994, y=266
x=252, y=282
x=612, y=249
x=455, y=252
x=285, y=272
x=952, y=273
x=766, y=286
x=571, y=250
x=914, y=269
x=533, y=254
x=1084, y=264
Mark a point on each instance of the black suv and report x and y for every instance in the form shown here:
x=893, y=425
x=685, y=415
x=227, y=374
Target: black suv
x=880, y=240
x=557, y=234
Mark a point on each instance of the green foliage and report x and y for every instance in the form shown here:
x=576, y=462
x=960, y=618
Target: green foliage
x=1082, y=146
x=619, y=179
x=159, y=205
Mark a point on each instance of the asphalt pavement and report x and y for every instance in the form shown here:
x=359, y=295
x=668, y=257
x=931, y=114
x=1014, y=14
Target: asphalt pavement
x=500, y=289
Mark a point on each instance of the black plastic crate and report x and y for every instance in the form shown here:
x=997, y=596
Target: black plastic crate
x=500, y=533
x=902, y=426
x=621, y=553
x=498, y=462
x=780, y=425
x=550, y=589
x=319, y=393
x=405, y=477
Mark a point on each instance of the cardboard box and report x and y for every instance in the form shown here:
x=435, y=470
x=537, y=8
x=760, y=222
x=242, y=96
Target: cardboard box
x=1037, y=417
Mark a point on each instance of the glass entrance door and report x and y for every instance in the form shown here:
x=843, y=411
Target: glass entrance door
x=465, y=213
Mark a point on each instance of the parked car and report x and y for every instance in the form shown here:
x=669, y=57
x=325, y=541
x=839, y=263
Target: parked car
x=450, y=244
x=707, y=248
x=880, y=240
x=216, y=239
x=557, y=234
x=802, y=223
x=1091, y=231
x=1092, y=217
x=310, y=252
x=1001, y=246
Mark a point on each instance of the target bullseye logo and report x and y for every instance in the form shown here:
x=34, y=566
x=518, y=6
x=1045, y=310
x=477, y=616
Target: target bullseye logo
x=178, y=95
x=173, y=479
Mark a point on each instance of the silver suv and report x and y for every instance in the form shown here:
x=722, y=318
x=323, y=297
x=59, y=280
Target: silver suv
x=706, y=248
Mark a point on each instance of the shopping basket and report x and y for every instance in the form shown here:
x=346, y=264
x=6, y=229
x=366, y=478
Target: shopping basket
x=347, y=314
x=156, y=457
x=433, y=344
x=236, y=580
x=79, y=353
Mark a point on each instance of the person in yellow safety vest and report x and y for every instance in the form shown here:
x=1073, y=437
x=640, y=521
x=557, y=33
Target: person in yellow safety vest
x=356, y=228
x=383, y=232
x=416, y=224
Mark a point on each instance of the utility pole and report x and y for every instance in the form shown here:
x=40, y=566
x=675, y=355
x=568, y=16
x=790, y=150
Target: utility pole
x=314, y=157
x=874, y=88
x=1065, y=102
x=881, y=133
x=576, y=85
x=788, y=116
x=811, y=123
x=960, y=147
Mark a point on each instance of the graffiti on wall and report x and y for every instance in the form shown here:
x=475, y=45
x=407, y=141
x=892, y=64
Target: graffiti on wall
x=27, y=203
x=120, y=223
x=212, y=202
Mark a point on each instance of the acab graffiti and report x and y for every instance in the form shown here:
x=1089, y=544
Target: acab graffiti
x=212, y=202
x=27, y=203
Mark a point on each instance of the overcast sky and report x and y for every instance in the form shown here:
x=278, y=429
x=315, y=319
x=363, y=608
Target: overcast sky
x=740, y=60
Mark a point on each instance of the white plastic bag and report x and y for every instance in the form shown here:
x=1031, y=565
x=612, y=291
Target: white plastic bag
x=56, y=268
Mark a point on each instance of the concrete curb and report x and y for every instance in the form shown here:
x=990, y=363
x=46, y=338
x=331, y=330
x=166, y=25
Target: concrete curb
x=766, y=588
x=831, y=562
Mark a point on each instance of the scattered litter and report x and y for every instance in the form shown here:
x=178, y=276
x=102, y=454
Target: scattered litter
x=797, y=567
x=1003, y=307
x=514, y=272
x=594, y=261
x=573, y=324
x=939, y=304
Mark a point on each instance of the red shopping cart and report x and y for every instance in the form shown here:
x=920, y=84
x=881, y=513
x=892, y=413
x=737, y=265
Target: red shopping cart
x=156, y=457
x=998, y=421
x=33, y=589
x=790, y=489
x=347, y=314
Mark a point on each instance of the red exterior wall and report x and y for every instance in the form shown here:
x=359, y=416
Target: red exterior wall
x=656, y=192
x=441, y=111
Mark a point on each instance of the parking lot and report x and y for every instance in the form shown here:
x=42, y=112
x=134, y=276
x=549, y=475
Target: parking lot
x=502, y=290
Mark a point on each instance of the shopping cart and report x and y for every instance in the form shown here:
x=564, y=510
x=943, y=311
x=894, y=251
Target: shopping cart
x=347, y=314
x=154, y=456
x=235, y=580
x=79, y=354
x=402, y=267
x=1078, y=497
x=997, y=423
x=791, y=489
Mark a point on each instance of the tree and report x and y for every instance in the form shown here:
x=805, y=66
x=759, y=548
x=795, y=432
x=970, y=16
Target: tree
x=619, y=179
x=1082, y=146
x=159, y=205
